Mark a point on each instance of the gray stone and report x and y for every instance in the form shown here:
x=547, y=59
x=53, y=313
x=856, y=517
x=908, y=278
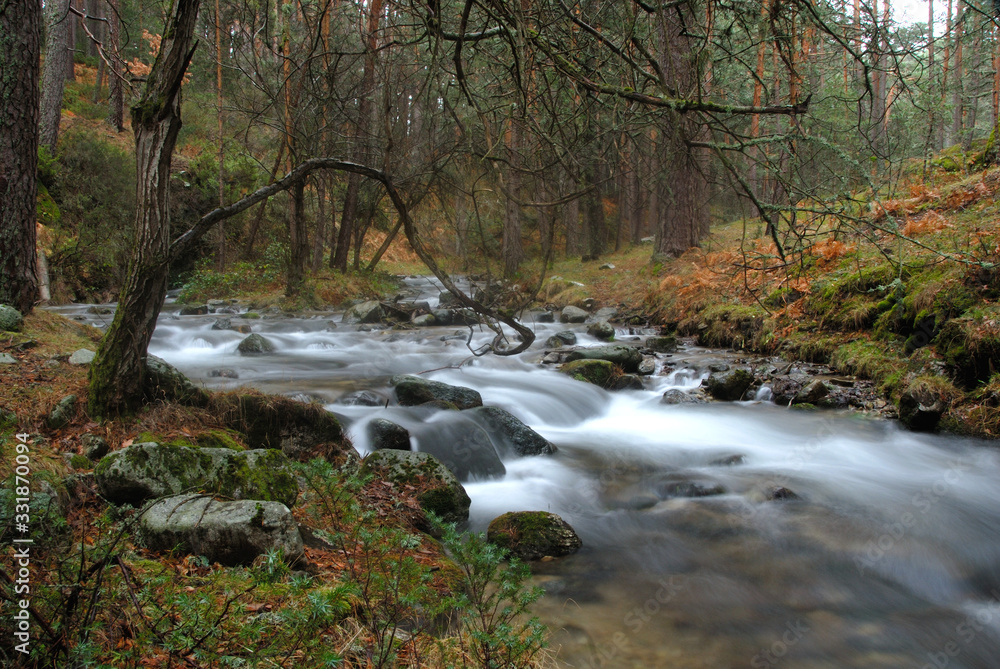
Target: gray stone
x=255, y=344
x=224, y=373
x=532, y=535
x=598, y=372
x=606, y=265
x=362, y=398
x=7, y=359
x=664, y=344
x=366, y=312
x=230, y=533
x=443, y=316
x=551, y=358
x=626, y=357
x=784, y=389
x=437, y=488
x=463, y=447
x=605, y=313
x=647, y=366
x=384, y=433
x=509, y=434
x=148, y=470
x=601, y=330
x=728, y=386
x=84, y=356
x=95, y=447
x=63, y=412
x=545, y=317
x=413, y=390
x=626, y=382
x=811, y=394
x=164, y=381
x=425, y=320
x=675, y=396
x=572, y=314
x=564, y=338
x=222, y=324
x=99, y=310
x=10, y=319
x=194, y=310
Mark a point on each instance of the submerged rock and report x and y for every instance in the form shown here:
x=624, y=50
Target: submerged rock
x=510, y=434
x=532, y=535
x=728, y=386
x=255, y=344
x=148, y=470
x=362, y=398
x=230, y=533
x=438, y=490
x=384, y=433
x=413, y=390
x=626, y=357
x=463, y=446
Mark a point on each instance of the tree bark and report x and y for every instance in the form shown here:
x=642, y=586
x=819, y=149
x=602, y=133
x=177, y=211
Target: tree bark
x=20, y=36
x=298, y=241
x=57, y=22
x=511, y=249
x=116, y=89
x=116, y=375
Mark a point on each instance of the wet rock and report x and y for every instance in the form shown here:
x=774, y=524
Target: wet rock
x=164, y=381
x=446, y=298
x=413, y=390
x=811, y=393
x=599, y=372
x=194, y=310
x=384, y=433
x=728, y=386
x=532, y=535
x=665, y=344
x=148, y=470
x=463, y=447
x=63, y=412
x=626, y=357
x=255, y=344
x=545, y=317
x=230, y=533
x=82, y=356
x=778, y=493
x=366, y=312
x=564, y=338
x=551, y=358
x=438, y=490
x=718, y=367
x=605, y=313
x=729, y=460
x=362, y=398
x=675, y=396
x=224, y=373
x=784, y=389
x=688, y=488
x=222, y=324
x=7, y=359
x=921, y=408
x=95, y=447
x=424, y=321
x=443, y=316
x=627, y=382
x=509, y=434
x=587, y=304
x=10, y=319
x=647, y=366
x=465, y=317
x=601, y=330
x=572, y=314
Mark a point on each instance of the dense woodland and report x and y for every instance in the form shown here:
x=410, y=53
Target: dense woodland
x=801, y=178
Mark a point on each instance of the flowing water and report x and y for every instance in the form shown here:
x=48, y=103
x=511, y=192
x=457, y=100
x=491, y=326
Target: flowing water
x=890, y=556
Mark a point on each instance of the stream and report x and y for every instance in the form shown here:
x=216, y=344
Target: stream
x=888, y=557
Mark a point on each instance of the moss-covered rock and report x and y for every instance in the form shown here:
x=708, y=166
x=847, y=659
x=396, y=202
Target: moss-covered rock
x=531, y=535
x=662, y=344
x=301, y=431
x=601, y=330
x=255, y=344
x=63, y=412
x=924, y=401
x=384, y=433
x=148, y=470
x=163, y=381
x=971, y=348
x=413, y=391
x=231, y=533
x=625, y=357
x=10, y=319
x=728, y=386
x=599, y=372
x=438, y=490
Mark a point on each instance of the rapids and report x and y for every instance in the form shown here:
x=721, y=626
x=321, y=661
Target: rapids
x=890, y=556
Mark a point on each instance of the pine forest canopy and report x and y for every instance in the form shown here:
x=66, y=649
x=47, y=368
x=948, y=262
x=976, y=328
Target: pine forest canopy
x=502, y=130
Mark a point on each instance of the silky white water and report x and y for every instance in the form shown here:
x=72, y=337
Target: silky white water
x=889, y=558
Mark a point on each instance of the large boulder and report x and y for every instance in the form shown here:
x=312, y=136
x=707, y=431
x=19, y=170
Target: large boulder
x=531, y=535
x=10, y=319
x=83, y=356
x=366, y=312
x=255, y=344
x=230, y=533
x=599, y=372
x=148, y=470
x=572, y=314
x=510, y=435
x=437, y=488
x=601, y=330
x=728, y=386
x=463, y=447
x=384, y=433
x=663, y=344
x=413, y=390
x=162, y=380
x=922, y=403
x=626, y=357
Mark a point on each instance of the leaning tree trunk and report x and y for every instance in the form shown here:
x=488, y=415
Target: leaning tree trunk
x=20, y=33
x=116, y=374
x=57, y=19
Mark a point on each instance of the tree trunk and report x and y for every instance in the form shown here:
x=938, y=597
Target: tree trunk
x=593, y=214
x=320, y=235
x=20, y=36
x=71, y=44
x=511, y=249
x=116, y=375
x=298, y=241
x=956, y=95
x=57, y=21
x=116, y=89
x=571, y=217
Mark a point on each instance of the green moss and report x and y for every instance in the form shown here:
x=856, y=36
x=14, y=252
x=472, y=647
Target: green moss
x=971, y=348
x=220, y=439
x=598, y=372
x=79, y=461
